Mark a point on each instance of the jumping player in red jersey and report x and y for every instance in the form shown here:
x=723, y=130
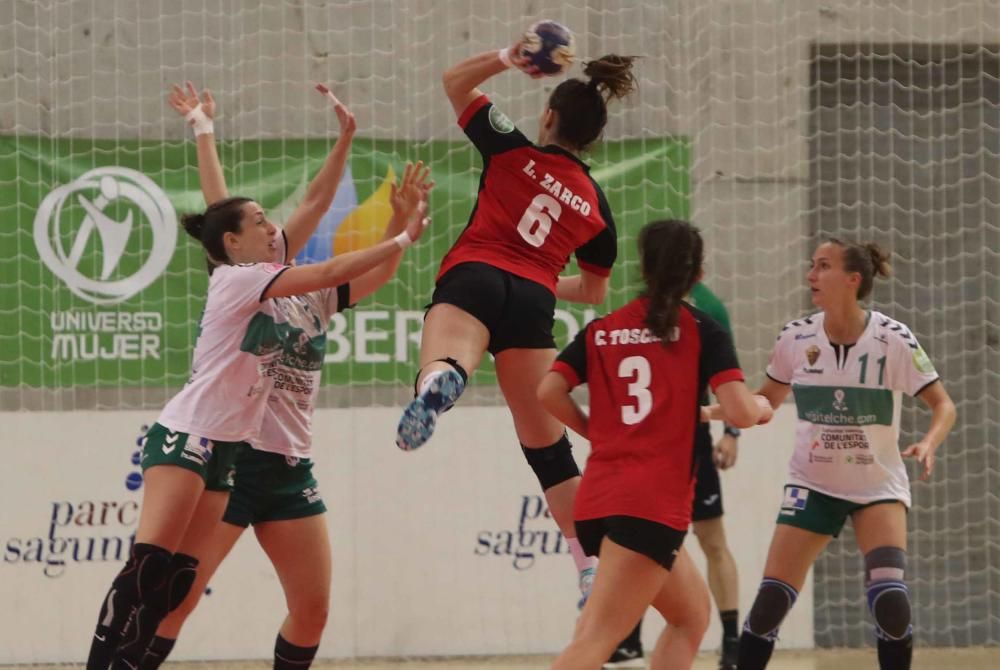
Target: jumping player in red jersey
x=647, y=366
x=497, y=286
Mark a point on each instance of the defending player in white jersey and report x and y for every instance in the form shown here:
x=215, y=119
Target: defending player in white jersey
x=202, y=429
x=274, y=488
x=847, y=368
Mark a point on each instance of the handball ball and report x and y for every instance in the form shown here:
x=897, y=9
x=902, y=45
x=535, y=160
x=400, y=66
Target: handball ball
x=548, y=46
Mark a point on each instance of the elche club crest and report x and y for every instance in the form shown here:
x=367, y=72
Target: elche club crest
x=62, y=237
x=812, y=354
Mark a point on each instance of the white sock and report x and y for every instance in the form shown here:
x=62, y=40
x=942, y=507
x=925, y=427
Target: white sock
x=428, y=379
x=581, y=559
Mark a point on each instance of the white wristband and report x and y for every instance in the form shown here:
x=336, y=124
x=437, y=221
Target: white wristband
x=198, y=120
x=403, y=240
x=504, y=55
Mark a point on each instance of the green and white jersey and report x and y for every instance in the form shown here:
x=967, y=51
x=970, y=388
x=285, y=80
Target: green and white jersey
x=240, y=337
x=848, y=403
x=295, y=374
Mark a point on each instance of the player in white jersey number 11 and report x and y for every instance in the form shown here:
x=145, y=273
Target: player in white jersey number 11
x=847, y=368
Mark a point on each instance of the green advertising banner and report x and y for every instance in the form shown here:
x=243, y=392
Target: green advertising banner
x=103, y=288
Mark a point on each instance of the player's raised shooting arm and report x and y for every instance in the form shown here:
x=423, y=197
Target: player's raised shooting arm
x=461, y=81
x=319, y=195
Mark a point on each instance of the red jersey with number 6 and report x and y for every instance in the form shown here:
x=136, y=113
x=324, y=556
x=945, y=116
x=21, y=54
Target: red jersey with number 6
x=536, y=206
x=644, y=406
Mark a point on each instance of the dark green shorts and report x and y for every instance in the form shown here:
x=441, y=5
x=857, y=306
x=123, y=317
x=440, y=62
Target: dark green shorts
x=211, y=459
x=818, y=512
x=272, y=487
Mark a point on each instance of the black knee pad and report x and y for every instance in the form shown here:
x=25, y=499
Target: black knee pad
x=145, y=568
x=183, y=570
x=888, y=596
x=774, y=600
x=159, y=598
x=553, y=464
x=450, y=361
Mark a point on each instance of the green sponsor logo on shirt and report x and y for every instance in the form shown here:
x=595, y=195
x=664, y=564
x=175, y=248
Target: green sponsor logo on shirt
x=844, y=406
x=264, y=336
x=500, y=121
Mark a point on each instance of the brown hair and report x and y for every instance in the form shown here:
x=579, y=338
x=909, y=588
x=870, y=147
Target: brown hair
x=672, y=254
x=209, y=228
x=583, y=105
x=869, y=260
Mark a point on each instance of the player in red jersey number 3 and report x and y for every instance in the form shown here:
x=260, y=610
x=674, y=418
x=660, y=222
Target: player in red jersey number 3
x=646, y=366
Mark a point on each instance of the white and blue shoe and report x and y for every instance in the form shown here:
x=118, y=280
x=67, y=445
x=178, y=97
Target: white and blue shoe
x=420, y=417
x=586, y=585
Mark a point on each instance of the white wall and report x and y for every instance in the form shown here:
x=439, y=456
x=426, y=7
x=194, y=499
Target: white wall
x=410, y=574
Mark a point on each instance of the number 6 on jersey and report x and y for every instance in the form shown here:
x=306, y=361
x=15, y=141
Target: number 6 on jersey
x=536, y=222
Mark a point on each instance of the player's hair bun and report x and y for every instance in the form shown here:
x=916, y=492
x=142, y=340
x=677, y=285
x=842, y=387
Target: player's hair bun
x=193, y=224
x=880, y=260
x=612, y=75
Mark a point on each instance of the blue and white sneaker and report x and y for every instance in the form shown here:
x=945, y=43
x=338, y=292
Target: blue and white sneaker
x=420, y=417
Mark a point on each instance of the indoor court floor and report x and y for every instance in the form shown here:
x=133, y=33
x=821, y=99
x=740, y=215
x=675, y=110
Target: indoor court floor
x=924, y=659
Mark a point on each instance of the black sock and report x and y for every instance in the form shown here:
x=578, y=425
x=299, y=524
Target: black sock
x=145, y=563
x=156, y=653
x=755, y=651
x=730, y=623
x=634, y=639
x=289, y=657
x=895, y=654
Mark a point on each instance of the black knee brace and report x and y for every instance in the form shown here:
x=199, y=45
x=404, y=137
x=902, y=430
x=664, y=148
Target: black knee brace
x=888, y=597
x=157, y=602
x=146, y=567
x=774, y=600
x=183, y=570
x=553, y=464
x=450, y=361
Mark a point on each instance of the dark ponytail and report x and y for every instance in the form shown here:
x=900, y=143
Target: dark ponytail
x=869, y=260
x=221, y=217
x=672, y=253
x=583, y=105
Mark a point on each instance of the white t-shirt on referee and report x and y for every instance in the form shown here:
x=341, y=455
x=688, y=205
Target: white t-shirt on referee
x=848, y=404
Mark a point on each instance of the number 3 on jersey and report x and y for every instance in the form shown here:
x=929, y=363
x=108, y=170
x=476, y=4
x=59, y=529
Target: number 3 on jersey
x=636, y=369
x=536, y=222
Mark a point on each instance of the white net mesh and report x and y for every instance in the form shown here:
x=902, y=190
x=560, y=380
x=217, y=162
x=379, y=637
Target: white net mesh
x=767, y=123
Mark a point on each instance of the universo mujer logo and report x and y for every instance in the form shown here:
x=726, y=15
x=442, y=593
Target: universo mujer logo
x=62, y=235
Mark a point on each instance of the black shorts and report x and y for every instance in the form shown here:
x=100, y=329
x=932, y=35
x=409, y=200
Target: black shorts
x=707, y=488
x=518, y=312
x=653, y=540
